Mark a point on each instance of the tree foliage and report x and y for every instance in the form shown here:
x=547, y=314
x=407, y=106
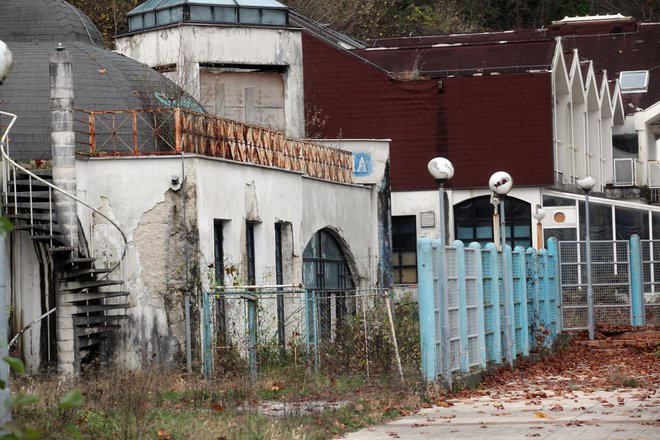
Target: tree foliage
x=382, y=18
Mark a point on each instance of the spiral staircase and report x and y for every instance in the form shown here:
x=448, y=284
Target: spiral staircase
x=90, y=300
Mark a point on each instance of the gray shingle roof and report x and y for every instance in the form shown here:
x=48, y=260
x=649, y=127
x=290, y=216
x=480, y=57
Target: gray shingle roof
x=46, y=21
x=103, y=80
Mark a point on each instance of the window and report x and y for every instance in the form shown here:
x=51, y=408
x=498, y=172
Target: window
x=218, y=252
x=404, y=249
x=219, y=267
x=249, y=254
x=634, y=81
x=326, y=272
x=473, y=221
x=279, y=279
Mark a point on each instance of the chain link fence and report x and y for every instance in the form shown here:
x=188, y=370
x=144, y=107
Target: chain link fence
x=651, y=280
x=367, y=332
x=611, y=283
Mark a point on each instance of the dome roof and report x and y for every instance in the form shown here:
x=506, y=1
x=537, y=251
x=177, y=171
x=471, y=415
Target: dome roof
x=102, y=80
x=46, y=21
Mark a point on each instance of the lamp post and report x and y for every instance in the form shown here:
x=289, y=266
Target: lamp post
x=442, y=170
x=501, y=183
x=586, y=185
x=5, y=414
x=539, y=214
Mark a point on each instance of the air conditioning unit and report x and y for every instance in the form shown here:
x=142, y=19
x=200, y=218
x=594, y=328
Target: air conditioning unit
x=624, y=172
x=654, y=174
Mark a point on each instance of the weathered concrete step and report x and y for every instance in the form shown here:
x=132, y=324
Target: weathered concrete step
x=72, y=286
x=40, y=227
x=93, y=308
x=89, y=273
x=44, y=173
x=37, y=216
x=25, y=195
x=51, y=238
x=75, y=261
x=36, y=206
x=61, y=249
x=91, y=341
x=93, y=321
x=88, y=331
x=74, y=298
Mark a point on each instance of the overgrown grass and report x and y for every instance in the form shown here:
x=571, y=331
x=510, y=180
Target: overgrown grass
x=358, y=385
x=155, y=405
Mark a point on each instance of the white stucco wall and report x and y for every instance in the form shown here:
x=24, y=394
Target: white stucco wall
x=416, y=202
x=160, y=220
x=186, y=46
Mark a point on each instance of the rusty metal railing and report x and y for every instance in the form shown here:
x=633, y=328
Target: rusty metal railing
x=174, y=130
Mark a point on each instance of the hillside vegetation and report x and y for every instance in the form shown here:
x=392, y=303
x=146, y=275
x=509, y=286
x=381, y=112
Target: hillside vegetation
x=380, y=18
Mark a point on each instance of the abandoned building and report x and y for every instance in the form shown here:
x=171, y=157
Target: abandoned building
x=176, y=191
x=549, y=106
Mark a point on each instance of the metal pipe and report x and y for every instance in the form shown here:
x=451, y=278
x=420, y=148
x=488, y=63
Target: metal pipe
x=507, y=288
x=590, y=290
x=444, y=299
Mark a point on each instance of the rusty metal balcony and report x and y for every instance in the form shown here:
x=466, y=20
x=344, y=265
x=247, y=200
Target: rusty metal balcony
x=175, y=131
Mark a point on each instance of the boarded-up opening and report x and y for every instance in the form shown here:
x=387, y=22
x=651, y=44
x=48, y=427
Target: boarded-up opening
x=253, y=96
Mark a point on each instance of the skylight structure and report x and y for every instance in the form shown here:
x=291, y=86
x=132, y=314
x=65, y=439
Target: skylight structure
x=157, y=13
x=634, y=81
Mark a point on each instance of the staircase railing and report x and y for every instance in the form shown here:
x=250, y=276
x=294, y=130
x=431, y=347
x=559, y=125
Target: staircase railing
x=8, y=164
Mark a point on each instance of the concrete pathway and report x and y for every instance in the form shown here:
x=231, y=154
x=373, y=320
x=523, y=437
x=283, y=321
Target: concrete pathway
x=629, y=413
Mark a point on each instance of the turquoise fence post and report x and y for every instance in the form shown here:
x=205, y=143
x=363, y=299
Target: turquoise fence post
x=427, y=310
x=491, y=248
x=206, y=346
x=481, y=328
x=511, y=343
x=462, y=306
x=312, y=336
x=252, y=330
x=522, y=293
x=553, y=294
x=637, y=282
x=533, y=282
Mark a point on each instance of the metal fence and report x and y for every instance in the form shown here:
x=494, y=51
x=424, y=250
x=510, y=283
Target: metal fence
x=651, y=280
x=354, y=332
x=611, y=281
x=470, y=331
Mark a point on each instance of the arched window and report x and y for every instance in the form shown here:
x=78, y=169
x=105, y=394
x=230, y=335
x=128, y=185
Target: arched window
x=473, y=221
x=326, y=272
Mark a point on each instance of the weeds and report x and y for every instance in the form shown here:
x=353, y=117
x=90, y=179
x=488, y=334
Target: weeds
x=154, y=404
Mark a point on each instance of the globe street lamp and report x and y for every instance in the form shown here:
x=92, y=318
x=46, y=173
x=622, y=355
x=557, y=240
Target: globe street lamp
x=442, y=170
x=539, y=214
x=586, y=185
x=501, y=183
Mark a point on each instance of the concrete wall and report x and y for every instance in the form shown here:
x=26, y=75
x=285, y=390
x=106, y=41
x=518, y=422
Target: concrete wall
x=171, y=236
x=416, y=202
x=188, y=46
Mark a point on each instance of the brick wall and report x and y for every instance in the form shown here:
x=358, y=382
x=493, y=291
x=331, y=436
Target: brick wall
x=462, y=122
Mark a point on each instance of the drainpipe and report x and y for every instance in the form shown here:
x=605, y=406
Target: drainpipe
x=64, y=176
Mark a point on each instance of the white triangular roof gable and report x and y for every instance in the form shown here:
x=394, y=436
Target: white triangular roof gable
x=647, y=116
x=591, y=88
x=618, y=115
x=562, y=84
x=605, y=98
x=576, y=80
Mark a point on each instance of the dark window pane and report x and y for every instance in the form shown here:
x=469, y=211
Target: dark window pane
x=631, y=221
x=600, y=217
